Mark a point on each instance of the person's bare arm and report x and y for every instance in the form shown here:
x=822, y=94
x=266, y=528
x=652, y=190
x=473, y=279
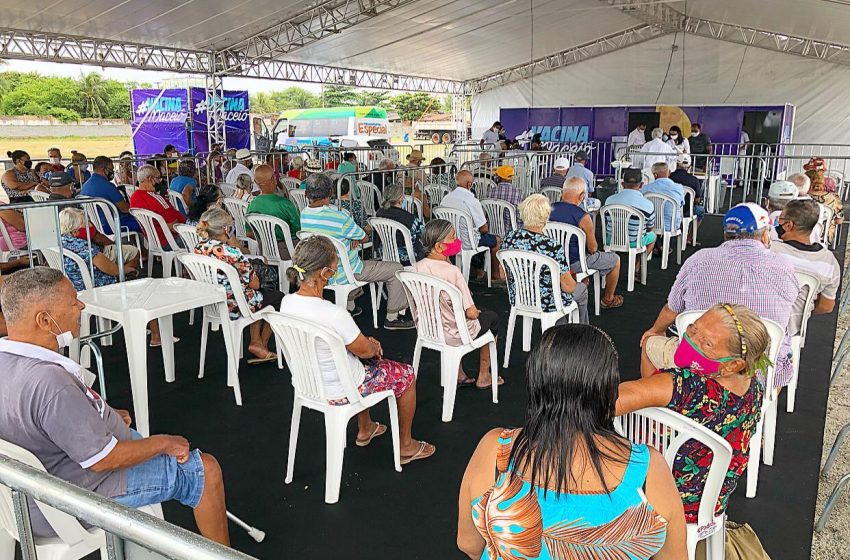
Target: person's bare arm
x=823, y=305
x=130, y=453
x=472, y=313
x=187, y=196
x=665, y=318
x=586, y=225
x=105, y=265
x=365, y=347
x=101, y=239
x=13, y=218
x=649, y=391
x=662, y=494
x=123, y=206
x=481, y=465
x=484, y=229
x=568, y=282
x=11, y=181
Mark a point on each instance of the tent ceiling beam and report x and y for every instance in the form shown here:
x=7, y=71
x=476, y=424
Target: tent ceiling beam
x=325, y=19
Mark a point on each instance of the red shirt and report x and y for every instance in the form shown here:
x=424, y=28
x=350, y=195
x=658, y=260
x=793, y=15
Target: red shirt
x=294, y=173
x=81, y=234
x=155, y=203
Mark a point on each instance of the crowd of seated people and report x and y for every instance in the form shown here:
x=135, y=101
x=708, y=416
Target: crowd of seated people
x=565, y=449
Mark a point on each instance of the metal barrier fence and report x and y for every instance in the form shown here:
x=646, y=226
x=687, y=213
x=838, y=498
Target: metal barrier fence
x=530, y=168
x=130, y=534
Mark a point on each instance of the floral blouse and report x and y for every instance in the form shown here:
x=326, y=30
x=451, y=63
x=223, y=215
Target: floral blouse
x=734, y=418
x=524, y=240
x=234, y=257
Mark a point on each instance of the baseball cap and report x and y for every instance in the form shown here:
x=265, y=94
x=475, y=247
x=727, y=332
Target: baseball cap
x=745, y=218
x=60, y=179
x=562, y=163
x=505, y=172
x=783, y=190
x=243, y=153
x=632, y=176
x=581, y=154
x=684, y=159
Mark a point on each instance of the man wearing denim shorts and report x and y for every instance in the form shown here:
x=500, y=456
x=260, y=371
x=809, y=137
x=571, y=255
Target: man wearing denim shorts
x=49, y=410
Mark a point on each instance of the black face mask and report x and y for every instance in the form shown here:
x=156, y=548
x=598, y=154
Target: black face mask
x=28, y=164
x=780, y=231
x=110, y=175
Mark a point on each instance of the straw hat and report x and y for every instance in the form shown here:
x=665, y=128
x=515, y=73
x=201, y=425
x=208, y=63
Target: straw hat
x=313, y=165
x=415, y=155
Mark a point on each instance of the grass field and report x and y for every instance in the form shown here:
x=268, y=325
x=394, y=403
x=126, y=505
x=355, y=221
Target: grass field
x=37, y=147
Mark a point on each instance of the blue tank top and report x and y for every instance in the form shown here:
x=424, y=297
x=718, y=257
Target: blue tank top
x=518, y=521
x=571, y=214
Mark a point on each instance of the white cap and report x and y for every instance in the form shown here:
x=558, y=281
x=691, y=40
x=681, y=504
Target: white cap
x=783, y=190
x=243, y=153
x=562, y=163
x=684, y=159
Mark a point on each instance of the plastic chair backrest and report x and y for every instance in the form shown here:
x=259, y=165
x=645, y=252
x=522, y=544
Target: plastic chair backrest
x=209, y=269
x=147, y=219
x=227, y=189
x=615, y=226
x=98, y=213
x=388, y=232
x=299, y=340
x=290, y=183
x=67, y=528
x=811, y=285
x=54, y=261
x=552, y=193
x=238, y=209
x=413, y=205
x=728, y=165
x=460, y=219
x=690, y=198
x=496, y=212
x=435, y=193
x=662, y=202
x=647, y=176
x=481, y=187
x=264, y=231
x=299, y=198
x=667, y=431
x=129, y=190
x=39, y=196
x=341, y=254
x=188, y=234
x=370, y=196
x=824, y=220
x=177, y=201
x=525, y=272
x=563, y=234
x=423, y=294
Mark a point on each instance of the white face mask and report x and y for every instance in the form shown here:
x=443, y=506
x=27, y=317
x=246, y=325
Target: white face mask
x=56, y=160
x=84, y=167
x=694, y=134
x=674, y=136
x=64, y=338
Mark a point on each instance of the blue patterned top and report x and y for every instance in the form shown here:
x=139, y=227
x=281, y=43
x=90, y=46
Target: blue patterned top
x=524, y=240
x=72, y=271
x=520, y=521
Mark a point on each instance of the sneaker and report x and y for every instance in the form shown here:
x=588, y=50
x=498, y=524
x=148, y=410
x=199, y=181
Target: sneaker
x=356, y=311
x=400, y=324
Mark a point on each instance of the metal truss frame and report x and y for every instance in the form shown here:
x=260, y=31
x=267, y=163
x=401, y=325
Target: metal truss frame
x=216, y=118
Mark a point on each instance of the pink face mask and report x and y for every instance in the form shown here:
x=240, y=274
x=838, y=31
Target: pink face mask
x=453, y=248
x=689, y=356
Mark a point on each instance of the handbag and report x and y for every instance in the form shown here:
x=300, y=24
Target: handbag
x=742, y=543
x=269, y=280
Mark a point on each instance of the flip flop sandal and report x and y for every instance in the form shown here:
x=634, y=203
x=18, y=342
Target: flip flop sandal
x=421, y=454
x=158, y=344
x=616, y=301
x=483, y=387
x=468, y=382
x=377, y=433
x=270, y=357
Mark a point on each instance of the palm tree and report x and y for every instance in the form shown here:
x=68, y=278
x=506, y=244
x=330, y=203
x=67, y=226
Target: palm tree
x=93, y=92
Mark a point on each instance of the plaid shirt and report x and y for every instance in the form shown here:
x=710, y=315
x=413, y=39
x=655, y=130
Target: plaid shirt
x=745, y=272
x=508, y=193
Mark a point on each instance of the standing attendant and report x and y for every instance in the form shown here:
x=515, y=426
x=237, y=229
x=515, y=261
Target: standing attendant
x=637, y=137
x=700, y=146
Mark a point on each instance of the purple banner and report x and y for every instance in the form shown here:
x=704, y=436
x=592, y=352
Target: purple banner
x=159, y=118
x=236, y=119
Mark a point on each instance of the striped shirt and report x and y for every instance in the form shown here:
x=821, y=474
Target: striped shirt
x=633, y=199
x=556, y=181
x=745, y=272
x=338, y=225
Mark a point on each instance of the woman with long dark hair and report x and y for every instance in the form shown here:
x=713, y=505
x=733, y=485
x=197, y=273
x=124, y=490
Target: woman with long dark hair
x=677, y=140
x=566, y=485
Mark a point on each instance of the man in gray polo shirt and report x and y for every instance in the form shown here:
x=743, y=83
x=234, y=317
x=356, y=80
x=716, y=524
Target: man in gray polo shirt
x=50, y=411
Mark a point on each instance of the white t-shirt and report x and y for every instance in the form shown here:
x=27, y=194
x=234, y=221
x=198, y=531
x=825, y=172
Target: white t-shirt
x=336, y=319
x=683, y=148
x=659, y=146
x=238, y=169
x=463, y=199
x=491, y=139
x=637, y=138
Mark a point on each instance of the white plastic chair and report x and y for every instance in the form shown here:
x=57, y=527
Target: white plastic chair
x=825, y=219
x=497, y=211
x=688, y=221
x=809, y=285
x=188, y=234
x=462, y=220
x=414, y=206
x=667, y=431
x=227, y=189
x=525, y=270
x=129, y=190
x=369, y=196
x=662, y=230
x=300, y=340
x=299, y=198
x=209, y=269
x=423, y=294
x=766, y=426
x=481, y=187
x=238, y=209
x=435, y=193
x=94, y=210
x=290, y=183
x=177, y=201
x=264, y=230
x=72, y=540
x=39, y=196
x=342, y=291
x=147, y=219
x=12, y=254
x=552, y=193
x=617, y=217
x=388, y=232
x=563, y=234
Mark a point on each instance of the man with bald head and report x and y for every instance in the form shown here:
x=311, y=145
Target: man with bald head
x=49, y=410
x=270, y=203
x=569, y=211
x=462, y=199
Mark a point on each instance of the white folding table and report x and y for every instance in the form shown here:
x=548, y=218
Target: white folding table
x=133, y=304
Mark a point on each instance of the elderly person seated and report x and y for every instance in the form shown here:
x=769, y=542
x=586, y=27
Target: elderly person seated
x=712, y=381
x=60, y=185
x=779, y=194
x=632, y=197
x=208, y=196
x=569, y=210
x=683, y=176
x=505, y=190
x=579, y=169
x=314, y=264
x=556, y=476
x=559, y=173
x=216, y=241
x=816, y=172
x=320, y=217
x=664, y=185
x=269, y=203
x=244, y=188
x=535, y=211
x=794, y=229
x=391, y=210
x=184, y=182
x=296, y=170
x=381, y=180
x=440, y=243
x=803, y=184
x=242, y=164
x=743, y=271
x=49, y=411
x=146, y=198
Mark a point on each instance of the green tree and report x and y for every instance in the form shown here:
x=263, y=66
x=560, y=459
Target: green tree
x=40, y=95
x=294, y=98
x=262, y=102
x=379, y=98
x=411, y=106
x=93, y=91
x=338, y=96
x=117, y=98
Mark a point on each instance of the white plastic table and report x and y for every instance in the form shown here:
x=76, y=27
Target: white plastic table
x=133, y=304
